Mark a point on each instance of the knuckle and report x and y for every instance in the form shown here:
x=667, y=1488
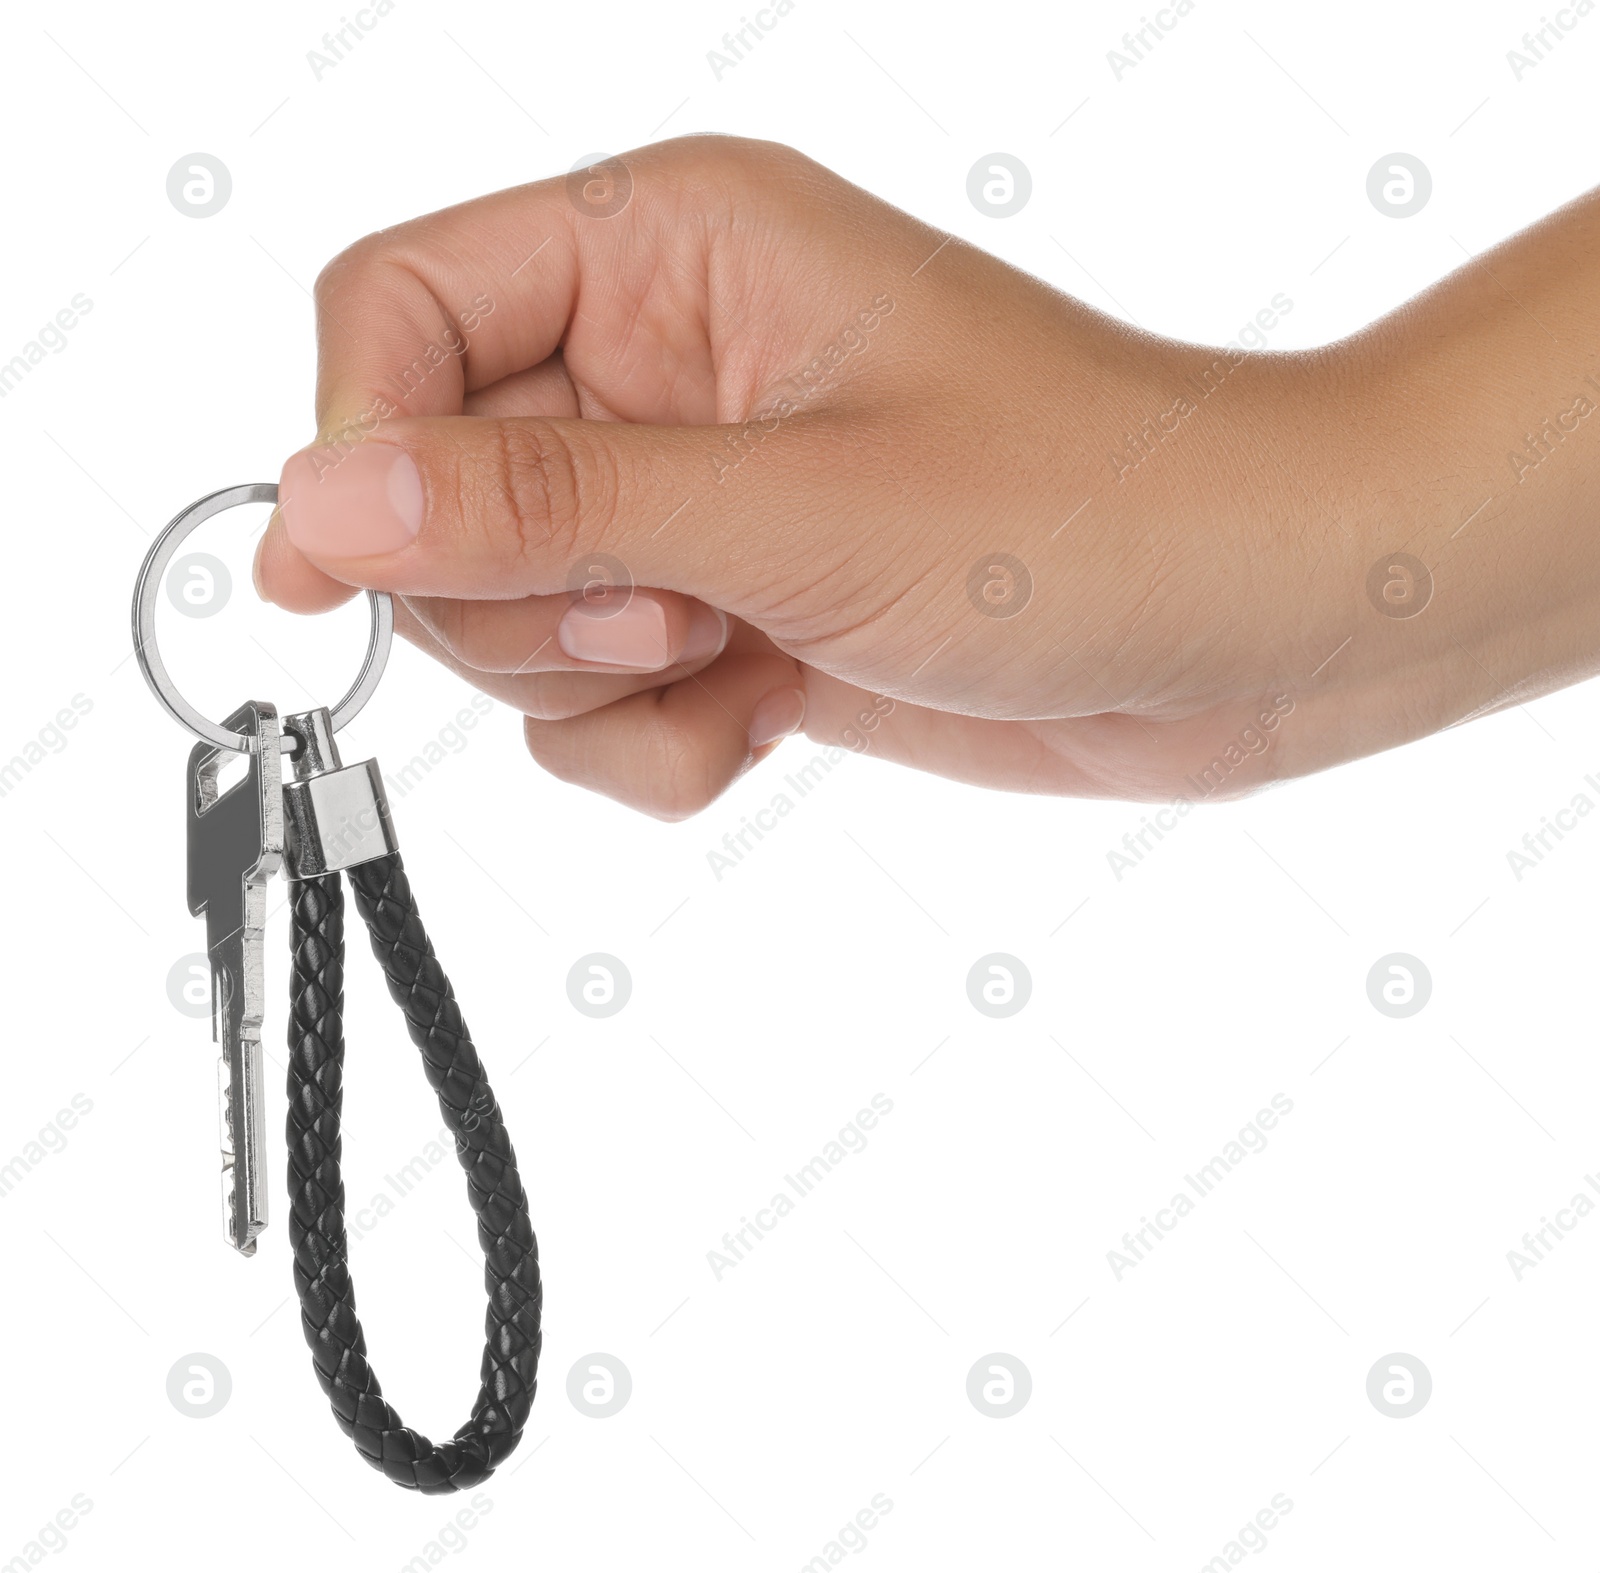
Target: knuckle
x=710, y=153
x=555, y=698
x=468, y=636
x=556, y=752
x=359, y=257
x=664, y=774
x=556, y=493
x=775, y=157
x=332, y=271
x=384, y=272
x=672, y=781
x=719, y=171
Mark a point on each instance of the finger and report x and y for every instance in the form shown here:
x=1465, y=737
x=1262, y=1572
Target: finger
x=548, y=696
x=673, y=750
x=637, y=272
x=545, y=389
x=615, y=265
x=498, y=508
x=284, y=577
x=413, y=319
x=596, y=628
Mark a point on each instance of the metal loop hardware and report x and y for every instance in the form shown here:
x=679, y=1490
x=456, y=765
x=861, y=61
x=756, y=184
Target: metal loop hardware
x=144, y=627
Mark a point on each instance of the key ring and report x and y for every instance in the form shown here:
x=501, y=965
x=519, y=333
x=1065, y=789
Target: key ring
x=144, y=627
x=326, y=827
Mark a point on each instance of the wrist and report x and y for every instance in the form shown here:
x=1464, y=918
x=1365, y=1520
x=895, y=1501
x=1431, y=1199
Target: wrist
x=1477, y=574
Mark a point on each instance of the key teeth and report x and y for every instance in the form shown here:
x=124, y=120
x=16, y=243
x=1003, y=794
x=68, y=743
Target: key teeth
x=240, y=1232
x=230, y=1210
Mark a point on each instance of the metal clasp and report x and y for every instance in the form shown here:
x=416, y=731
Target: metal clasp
x=334, y=815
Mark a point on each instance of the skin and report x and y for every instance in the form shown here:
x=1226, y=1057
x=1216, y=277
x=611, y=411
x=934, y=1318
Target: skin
x=1175, y=602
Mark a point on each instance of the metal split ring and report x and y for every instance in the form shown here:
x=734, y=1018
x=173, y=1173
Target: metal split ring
x=144, y=627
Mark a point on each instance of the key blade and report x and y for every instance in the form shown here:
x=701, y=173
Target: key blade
x=235, y=842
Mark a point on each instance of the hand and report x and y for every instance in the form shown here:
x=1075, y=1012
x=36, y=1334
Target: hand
x=759, y=452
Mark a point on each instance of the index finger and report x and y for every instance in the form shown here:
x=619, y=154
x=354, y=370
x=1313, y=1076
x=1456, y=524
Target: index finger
x=668, y=278
x=413, y=319
x=610, y=263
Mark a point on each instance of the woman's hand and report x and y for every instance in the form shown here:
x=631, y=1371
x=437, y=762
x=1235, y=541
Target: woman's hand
x=694, y=449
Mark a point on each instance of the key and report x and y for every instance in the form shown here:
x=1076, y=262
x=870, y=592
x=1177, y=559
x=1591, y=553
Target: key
x=235, y=846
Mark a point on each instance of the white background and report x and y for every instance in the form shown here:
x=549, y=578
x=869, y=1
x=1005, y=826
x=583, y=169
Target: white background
x=830, y=965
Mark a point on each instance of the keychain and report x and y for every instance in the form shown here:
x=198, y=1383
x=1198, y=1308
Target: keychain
x=332, y=818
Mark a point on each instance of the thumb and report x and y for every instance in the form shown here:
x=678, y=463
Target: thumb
x=487, y=508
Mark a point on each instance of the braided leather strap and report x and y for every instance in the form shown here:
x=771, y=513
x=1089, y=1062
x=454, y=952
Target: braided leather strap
x=316, y=1225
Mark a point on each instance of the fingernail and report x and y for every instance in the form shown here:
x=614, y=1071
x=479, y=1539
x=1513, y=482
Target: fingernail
x=777, y=715
x=708, y=632
x=633, y=633
x=359, y=501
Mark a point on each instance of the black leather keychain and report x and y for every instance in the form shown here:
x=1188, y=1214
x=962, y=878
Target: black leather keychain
x=332, y=819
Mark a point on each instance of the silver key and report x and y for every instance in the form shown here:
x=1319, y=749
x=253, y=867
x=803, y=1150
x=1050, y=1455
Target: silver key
x=235, y=847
